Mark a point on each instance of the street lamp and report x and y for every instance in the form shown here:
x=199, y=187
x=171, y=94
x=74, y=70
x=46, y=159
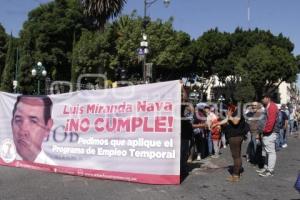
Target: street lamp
x=144, y=43
x=221, y=98
x=39, y=72
x=144, y=46
x=15, y=81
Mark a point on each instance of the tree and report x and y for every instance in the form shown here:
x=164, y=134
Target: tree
x=26, y=81
x=168, y=49
x=244, y=90
x=240, y=44
x=102, y=10
x=93, y=53
x=9, y=69
x=47, y=36
x=171, y=55
x=213, y=49
x=68, y=44
x=260, y=57
x=268, y=68
x=127, y=33
x=117, y=45
x=298, y=61
x=3, y=47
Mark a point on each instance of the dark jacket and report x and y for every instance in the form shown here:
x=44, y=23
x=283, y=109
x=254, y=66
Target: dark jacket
x=234, y=130
x=280, y=121
x=186, y=126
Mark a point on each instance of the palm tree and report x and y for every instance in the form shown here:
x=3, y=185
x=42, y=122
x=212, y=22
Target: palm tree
x=102, y=10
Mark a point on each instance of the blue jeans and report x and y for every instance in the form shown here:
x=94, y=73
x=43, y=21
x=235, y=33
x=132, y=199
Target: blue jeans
x=253, y=140
x=209, y=143
x=284, y=136
x=251, y=149
x=291, y=126
x=279, y=140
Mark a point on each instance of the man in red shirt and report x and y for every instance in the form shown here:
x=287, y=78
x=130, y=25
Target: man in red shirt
x=269, y=137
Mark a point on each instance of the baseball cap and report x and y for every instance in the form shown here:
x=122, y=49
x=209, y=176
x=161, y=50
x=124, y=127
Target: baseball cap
x=201, y=105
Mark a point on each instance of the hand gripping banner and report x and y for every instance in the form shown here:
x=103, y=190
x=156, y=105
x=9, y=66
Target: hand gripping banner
x=129, y=133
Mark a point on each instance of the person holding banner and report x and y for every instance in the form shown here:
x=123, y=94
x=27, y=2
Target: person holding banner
x=31, y=124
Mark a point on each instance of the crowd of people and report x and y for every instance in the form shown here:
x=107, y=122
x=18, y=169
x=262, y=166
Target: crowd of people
x=262, y=127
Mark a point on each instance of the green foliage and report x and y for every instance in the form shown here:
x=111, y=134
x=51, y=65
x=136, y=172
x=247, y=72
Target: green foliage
x=3, y=47
x=68, y=44
x=213, y=48
x=102, y=10
x=117, y=46
x=93, y=54
x=244, y=90
x=169, y=49
x=127, y=33
x=266, y=59
x=26, y=81
x=298, y=62
x=47, y=35
x=9, y=69
x=268, y=67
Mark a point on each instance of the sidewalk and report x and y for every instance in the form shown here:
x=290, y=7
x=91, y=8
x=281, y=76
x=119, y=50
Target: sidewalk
x=211, y=174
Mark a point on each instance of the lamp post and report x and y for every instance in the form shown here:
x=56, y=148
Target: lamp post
x=144, y=46
x=39, y=72
x=15, y=81
x=221, y=98
x=144, y=42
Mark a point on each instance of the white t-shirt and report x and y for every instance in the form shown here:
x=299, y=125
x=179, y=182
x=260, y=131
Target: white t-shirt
x=210, y=117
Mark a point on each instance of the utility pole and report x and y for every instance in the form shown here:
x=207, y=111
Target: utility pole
x=15, y=82
x=249, y=15
x=144, y=42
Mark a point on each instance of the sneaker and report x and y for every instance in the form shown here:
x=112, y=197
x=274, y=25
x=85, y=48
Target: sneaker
x=284, y=146
x=261, y=170
x=198, y=158
x=215, y=156
x=247, y=158
x=224, y=146
x=266, y=173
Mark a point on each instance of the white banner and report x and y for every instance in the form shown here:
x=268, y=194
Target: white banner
x=129, y=133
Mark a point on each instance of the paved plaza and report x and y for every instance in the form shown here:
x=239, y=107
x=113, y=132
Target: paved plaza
x=205, y=181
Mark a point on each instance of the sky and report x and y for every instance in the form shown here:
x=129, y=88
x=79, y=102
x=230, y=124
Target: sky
x=198, y=16
x=192, y=16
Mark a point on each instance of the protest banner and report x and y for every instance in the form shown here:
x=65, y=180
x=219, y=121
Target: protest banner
x=129, y=133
